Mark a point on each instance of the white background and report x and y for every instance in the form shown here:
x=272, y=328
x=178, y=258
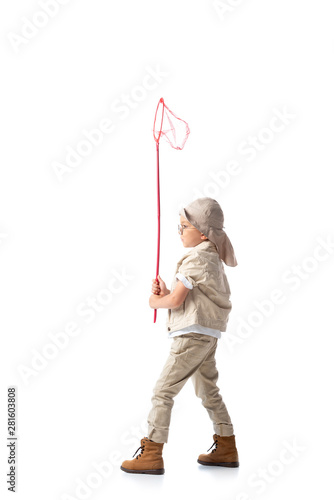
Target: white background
x=63, y=238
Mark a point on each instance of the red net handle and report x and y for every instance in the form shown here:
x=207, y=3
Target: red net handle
x=158, y=249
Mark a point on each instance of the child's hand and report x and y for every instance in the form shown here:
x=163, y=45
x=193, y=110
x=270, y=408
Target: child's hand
x=159, y=288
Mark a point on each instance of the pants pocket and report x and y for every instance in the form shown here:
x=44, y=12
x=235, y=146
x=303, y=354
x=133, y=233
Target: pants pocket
x=177, y=345
x=198, y=346
x=197, y=336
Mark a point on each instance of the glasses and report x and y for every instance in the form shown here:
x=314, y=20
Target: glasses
x=182, y=227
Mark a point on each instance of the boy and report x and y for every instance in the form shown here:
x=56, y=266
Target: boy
x=198, y=309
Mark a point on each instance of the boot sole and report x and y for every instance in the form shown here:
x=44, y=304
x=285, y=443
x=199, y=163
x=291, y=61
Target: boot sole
x=147, y=471
x=220, y=464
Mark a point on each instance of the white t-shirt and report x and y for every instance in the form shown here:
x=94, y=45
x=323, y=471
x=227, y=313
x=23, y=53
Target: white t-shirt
x=194, y=328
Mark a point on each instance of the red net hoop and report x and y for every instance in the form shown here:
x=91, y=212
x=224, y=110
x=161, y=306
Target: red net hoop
x=167, y=124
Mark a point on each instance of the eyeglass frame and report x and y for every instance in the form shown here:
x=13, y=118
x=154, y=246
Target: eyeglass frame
x=181, y=229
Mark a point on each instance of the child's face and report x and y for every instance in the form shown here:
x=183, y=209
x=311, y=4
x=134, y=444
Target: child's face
x=191, y=235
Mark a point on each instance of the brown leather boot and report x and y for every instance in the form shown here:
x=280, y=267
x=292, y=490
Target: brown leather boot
x=149, y=461
x=225, y=453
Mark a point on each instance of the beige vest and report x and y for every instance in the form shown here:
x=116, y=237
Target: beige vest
x=208, y=302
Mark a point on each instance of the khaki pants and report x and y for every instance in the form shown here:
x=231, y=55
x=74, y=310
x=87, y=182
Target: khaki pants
x=191, y=355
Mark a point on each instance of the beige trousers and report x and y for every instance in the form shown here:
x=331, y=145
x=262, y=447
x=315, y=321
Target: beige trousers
x=191, y=355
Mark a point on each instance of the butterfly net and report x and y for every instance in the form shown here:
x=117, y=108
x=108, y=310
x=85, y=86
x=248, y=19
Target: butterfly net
x=166, y=124
x=170, y=126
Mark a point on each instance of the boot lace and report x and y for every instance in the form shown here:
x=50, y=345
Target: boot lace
x=142, y=449
x=214, y=444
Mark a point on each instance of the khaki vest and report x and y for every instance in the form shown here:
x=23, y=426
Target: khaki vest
x=208, y=302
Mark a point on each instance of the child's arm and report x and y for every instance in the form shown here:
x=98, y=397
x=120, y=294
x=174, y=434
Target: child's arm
x=169, y=300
